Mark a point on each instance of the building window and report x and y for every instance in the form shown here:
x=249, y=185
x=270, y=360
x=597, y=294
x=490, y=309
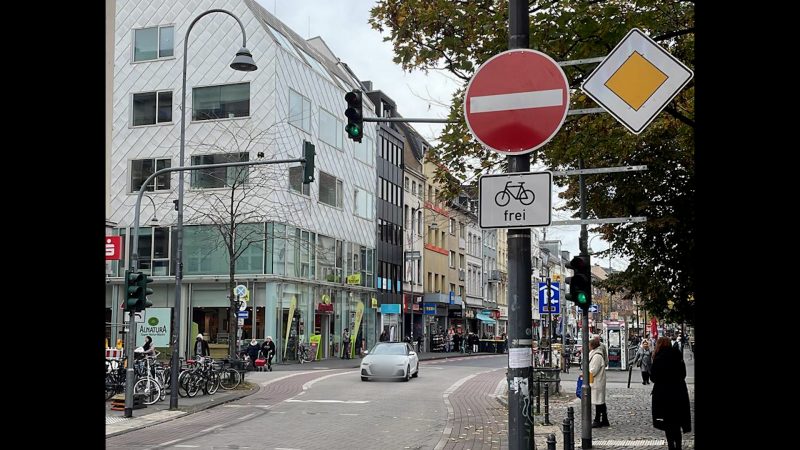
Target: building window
x=453, y=226
x=143, y=168
x=219, y=177
x=406, y=184
x=452, y=259
x=296, y=181
x=365, y=150
x=461, y=230
x=330, y=190
x=221, y=102
x=299, y=111
x=150, y=108
x=364, y=203
x=153, y=43
x=330, y=129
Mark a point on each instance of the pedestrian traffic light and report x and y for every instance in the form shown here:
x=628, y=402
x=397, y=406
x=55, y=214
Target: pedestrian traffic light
x=355, y=118
x=144, y=291
x=580, y=284
x=308, y=167
x=132, y=280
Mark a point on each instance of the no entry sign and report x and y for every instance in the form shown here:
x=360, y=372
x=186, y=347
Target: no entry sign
x=516, y=101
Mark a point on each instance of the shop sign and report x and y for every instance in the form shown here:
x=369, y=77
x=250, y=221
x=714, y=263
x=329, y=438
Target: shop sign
x=354, y=279
x=429, y=309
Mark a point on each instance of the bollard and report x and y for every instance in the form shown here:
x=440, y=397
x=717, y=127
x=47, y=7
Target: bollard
x=551, y=442
x=547, y=404
x=571, y=417
x=567, y=432
x=538, y=397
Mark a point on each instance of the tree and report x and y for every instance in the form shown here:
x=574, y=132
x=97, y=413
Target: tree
x=457, y=36
x=235, y=202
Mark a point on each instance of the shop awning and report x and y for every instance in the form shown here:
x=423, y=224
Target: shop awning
x=485, y=318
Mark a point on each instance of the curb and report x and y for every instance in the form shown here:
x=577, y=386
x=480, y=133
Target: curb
x=185, y=412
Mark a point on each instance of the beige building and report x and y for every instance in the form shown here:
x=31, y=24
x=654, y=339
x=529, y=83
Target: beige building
x=436, y=268
x=502, y=285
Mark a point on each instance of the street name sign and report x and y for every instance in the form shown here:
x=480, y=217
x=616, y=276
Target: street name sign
x=636, y=81
x=515, y=200
x=516, y=101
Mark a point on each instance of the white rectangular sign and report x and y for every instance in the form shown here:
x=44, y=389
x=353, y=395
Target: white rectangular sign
x=154, y=322
x=515, y=200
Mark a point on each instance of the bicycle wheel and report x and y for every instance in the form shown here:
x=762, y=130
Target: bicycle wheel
x=212, y=383
x=111, y=386
x=193, y=383
x=526, y=197
x=229, y=379
x=502, y=198
x=150, y=388
x=183, y=383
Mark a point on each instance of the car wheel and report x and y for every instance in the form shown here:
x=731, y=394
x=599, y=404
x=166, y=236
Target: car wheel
x=408, y=373
x=364, y=379
x=416, y=374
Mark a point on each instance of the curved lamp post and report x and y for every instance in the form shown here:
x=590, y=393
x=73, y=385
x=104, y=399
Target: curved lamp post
x=243, y=62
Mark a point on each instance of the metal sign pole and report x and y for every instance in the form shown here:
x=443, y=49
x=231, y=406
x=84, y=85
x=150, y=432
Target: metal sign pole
x=520, y=363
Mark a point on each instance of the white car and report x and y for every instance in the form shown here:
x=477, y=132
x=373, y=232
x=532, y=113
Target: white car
x=390, y=360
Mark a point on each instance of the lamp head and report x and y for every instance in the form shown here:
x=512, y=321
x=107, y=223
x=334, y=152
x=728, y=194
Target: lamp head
x=244, y=61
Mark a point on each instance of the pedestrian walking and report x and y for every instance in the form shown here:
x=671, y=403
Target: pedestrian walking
x=201, y=349
x=597, y=381
x=252, y=353
x=346, y=344
x=268, y=351
x=567, y=354
x=384, y=336
x=671, y=409
x=644, y=360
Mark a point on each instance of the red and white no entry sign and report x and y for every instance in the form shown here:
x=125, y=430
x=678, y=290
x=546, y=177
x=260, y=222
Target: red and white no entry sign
x=516, y=101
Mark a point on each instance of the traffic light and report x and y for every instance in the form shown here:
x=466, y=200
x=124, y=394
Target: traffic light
x=580, y=284
x=144, y=291
x=308, y=168
x=132, y=287
x=355, y=118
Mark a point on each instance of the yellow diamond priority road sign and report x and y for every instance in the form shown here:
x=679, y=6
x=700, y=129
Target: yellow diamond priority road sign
x=636, y=81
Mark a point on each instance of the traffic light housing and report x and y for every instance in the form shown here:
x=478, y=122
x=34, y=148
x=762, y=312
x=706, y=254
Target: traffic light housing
x=132, y=287
x=144, y=291
x=308, y=167
x=580, y=284
x=355, y=117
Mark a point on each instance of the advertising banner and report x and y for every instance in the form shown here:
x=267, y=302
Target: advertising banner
x=292, y=306
x=356, y=327
x=155, y=322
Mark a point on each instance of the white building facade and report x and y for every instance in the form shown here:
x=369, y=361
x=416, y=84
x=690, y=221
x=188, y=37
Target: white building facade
x=313, y=271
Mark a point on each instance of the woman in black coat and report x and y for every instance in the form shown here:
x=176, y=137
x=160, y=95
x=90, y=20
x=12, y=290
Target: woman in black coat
x=671, y=409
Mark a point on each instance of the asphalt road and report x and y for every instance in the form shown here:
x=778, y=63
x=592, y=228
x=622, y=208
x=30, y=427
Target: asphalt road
x=333, y=409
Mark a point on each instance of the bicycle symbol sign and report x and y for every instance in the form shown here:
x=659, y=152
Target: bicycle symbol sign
x=515, y=200
x=525, y=196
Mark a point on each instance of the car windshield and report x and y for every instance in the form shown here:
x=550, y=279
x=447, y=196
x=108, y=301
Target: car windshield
x=389, y=349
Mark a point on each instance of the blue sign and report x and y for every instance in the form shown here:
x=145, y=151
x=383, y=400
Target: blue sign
x=243, y=314
x=393, y=308
x=594, y=308
x=555, y=304
x=452, y=297
x=429, y=309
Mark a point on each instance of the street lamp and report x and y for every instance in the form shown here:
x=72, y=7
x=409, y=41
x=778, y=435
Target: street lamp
x=154, y=220
x=243, y=62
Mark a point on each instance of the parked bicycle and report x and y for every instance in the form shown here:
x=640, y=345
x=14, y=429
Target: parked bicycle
x=525, y=196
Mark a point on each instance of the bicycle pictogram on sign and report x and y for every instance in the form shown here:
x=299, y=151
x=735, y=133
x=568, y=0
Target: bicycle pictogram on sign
x=525, y=196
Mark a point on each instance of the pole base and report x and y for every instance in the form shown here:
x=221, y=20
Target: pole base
x=586, y=443
x=128, y=412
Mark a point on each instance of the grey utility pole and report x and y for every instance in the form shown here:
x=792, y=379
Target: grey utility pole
x=520, y=418
x=586, y=398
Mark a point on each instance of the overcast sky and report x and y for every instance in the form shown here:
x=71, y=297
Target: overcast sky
x=343, y=25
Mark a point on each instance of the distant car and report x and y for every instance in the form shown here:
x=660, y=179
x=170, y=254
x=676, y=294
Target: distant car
x=390, y=360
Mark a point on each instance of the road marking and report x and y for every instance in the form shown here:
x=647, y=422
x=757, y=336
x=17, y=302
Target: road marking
x=328, y=401
x=517, y=100
x=284, y=377
x=311, y=383
x=286, y=448
x=348, y=414
x=189, y=446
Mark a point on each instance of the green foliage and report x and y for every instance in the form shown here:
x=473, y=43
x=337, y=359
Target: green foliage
x=458, y=36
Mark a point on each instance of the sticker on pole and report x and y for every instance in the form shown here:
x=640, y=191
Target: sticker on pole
x=636, y=81
x=516, y=101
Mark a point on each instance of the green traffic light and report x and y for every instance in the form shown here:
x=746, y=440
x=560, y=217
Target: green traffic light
x=581, y=298
x=353, y=130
